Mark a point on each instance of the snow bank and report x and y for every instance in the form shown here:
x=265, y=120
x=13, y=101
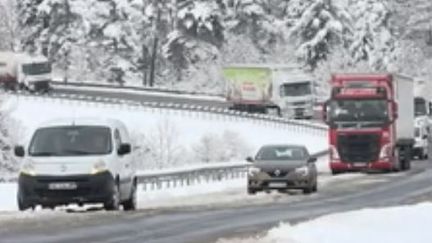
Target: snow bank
x=8, y=192
x=395, y=225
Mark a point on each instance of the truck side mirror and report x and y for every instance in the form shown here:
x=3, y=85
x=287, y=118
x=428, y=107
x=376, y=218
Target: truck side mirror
x=124, y=148
x=19, y=151
x=324, y=112
x=249, y=159
x=425, y=136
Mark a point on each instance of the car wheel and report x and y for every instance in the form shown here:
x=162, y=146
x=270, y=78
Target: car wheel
x=131, y=203
x=114, y=202
x=315, y=187
x=251, y=191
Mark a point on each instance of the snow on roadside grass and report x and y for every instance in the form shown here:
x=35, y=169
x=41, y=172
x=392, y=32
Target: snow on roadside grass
x=396, y=225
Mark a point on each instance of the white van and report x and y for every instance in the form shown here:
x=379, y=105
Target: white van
x=77, y=161
x=421, y=136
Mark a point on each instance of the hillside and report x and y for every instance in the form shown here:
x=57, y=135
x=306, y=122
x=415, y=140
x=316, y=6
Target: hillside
x=97, y=40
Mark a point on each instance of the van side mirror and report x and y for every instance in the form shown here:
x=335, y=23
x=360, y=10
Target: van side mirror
x=312, y=160
x=124, y=149
x=19, y=151
x=249, y=159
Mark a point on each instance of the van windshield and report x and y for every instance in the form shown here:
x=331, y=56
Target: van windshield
x=71, y=141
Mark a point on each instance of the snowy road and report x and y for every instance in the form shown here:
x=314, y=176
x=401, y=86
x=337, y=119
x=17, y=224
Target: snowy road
x=239, y=217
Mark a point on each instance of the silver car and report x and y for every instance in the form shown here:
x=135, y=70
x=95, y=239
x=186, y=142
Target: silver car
x=282, y=167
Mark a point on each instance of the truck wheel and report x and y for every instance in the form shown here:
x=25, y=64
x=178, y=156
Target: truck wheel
x=406, y=165
x=335, y=172
x=131, y=203
x=114, y=202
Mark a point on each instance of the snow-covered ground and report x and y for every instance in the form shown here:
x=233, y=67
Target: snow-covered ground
x=396, y=225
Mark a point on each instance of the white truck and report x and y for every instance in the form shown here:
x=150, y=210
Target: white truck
x=24, y=71
x=286, y=90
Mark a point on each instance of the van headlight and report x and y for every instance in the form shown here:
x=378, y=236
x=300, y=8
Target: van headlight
x=253, y=170
x=99, y=167
x=303, y=171
x=28, y=168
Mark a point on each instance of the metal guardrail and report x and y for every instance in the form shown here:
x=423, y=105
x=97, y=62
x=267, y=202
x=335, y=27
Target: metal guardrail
x=132, y=88
x=189, y=177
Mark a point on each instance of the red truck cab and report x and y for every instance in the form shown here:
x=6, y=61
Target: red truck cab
x=362, y=113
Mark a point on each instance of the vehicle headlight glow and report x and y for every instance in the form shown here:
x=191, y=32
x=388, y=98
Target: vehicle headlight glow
x=28, y=168
x=304, y=170
x=99, y=167
x=253, y=170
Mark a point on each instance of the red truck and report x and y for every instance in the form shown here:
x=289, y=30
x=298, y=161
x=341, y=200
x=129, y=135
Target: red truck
x=371, y=122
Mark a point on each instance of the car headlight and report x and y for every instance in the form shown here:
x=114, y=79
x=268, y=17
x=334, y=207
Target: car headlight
x=99, y=167
x=253, y=170
x=304, y=171
x=28, y=168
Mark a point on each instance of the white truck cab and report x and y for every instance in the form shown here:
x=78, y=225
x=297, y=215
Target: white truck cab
x=77, y=161
x=294, y=93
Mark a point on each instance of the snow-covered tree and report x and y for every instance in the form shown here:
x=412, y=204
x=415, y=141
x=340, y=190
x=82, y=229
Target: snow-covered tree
x=9, y=135
x=9, y=28
x=372, y=40
x=321, y=24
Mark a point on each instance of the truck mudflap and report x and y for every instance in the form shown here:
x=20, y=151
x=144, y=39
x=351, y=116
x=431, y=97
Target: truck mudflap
x=339, y=167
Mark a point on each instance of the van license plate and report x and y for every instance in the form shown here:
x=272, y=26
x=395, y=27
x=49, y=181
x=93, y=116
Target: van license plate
x=277, y=184
x=63, y=186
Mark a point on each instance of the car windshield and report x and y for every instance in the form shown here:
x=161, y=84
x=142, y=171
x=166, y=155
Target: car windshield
x=282, y=153
x=36, y=68
x=296, y=89
x=420, y=107
x=359, y=111
x=71, y=141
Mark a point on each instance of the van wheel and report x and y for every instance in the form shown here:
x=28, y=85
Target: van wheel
x=22, y=205
x=114, y=201
x=131, y=203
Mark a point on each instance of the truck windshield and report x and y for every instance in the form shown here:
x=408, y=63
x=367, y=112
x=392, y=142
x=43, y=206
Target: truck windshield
x=71, y=141
x=359, y=110
x=420, y=108
x=36, y=68
x=281, y=153
x=296, y=89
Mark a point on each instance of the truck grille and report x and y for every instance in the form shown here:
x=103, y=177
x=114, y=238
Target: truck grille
x=358, y=147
